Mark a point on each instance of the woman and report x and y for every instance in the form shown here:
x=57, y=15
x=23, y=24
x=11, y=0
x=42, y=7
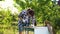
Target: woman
x=24, y=19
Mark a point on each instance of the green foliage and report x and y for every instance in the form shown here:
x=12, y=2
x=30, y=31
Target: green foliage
x=5, y=16
x=44, y=9
x=7, y=21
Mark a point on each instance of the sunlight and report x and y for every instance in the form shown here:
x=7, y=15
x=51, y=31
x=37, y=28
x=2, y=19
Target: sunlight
x=8, y=4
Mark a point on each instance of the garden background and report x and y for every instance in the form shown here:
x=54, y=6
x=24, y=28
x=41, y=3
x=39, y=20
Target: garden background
x=44, y=9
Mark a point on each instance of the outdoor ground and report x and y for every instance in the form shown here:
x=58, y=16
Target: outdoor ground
x=14, y=30
x=4, y=29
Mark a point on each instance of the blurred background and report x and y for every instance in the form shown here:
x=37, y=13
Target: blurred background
x=44, y=9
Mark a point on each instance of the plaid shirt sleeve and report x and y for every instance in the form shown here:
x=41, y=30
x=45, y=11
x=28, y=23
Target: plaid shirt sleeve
x=22, y=14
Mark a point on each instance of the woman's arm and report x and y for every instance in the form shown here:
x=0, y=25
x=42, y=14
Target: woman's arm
x=34, y=21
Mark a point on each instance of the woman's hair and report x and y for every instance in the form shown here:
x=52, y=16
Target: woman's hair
x=31, y=12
